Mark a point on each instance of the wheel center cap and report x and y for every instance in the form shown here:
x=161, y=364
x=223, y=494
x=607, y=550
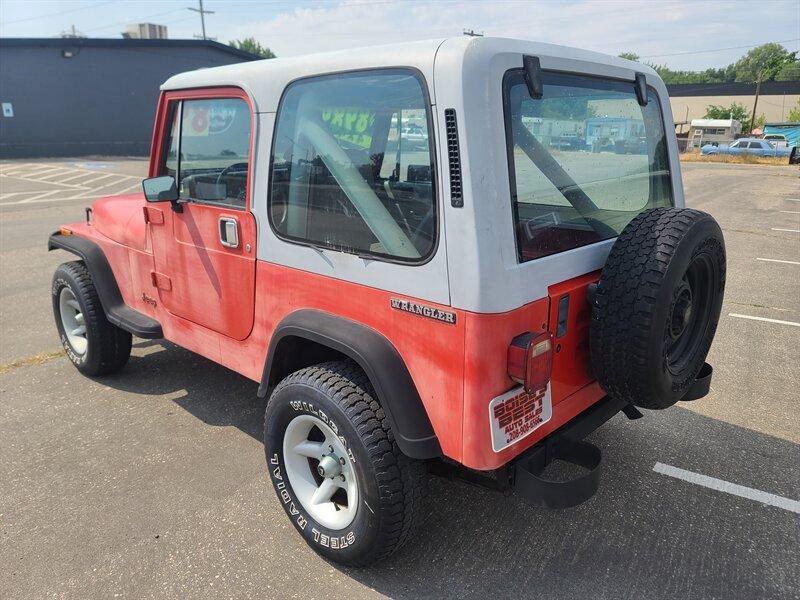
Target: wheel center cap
x=681, y=312
x=329, y=466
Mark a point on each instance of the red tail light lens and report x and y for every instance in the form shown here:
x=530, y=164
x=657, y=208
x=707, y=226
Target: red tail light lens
x=530, y=360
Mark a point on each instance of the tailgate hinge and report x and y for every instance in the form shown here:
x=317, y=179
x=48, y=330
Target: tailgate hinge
x=161, y=281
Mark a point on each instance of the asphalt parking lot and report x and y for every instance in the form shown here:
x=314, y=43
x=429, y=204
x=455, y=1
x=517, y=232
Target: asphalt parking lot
x=151, y=482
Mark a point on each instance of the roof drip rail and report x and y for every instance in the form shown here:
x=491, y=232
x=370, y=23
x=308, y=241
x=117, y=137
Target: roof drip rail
x=533, y=76
x=641, y=89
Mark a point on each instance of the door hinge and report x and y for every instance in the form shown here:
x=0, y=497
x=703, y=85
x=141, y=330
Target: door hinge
x=153, y=215
x=161, y=281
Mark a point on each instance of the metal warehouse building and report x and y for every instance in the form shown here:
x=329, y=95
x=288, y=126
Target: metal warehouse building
x=79, y=96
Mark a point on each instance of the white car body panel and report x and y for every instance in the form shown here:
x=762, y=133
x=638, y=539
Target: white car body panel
x=475, y=265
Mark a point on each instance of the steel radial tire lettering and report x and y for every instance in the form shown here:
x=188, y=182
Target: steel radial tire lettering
x=388, y=485
x=657, y=305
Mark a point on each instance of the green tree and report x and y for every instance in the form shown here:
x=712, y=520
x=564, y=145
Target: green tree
x=253, y=47
x=764, y=61
x=734, y=111
x=772, y=60
x=789, y=72
x=794, y=114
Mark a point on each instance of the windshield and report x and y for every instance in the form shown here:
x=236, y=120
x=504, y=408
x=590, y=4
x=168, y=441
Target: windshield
x=584, y=160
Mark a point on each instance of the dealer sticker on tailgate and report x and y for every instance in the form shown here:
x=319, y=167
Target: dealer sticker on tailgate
x=516, y=414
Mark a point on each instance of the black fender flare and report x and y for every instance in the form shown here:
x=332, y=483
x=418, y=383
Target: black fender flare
x=382, y=364
x=117, y=312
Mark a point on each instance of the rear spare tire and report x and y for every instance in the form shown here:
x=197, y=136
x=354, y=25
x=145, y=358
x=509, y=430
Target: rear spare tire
x=656, y=307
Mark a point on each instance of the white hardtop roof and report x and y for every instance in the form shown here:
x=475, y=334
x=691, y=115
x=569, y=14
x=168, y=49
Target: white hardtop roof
x=714, y=122
x=265, y=80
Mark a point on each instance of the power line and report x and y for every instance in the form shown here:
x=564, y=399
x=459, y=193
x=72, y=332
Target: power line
x=55, y=14
x=718, y=49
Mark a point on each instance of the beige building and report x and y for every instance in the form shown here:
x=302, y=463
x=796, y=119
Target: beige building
x=690, y=101
x=145, y=31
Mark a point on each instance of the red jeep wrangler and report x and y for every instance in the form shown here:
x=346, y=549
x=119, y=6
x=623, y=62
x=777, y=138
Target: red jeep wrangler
x=400, y=247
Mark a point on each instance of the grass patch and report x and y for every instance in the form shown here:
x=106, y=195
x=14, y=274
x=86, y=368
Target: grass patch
x=28, y=361
x=735, y=159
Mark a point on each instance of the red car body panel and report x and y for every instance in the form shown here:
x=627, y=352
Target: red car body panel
x=225, y=305
x=455, y=393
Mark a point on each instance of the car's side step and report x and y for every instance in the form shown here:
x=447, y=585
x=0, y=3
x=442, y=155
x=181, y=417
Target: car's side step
x=117, y=312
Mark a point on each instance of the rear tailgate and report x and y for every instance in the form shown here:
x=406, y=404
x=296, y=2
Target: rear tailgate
x=569, y=320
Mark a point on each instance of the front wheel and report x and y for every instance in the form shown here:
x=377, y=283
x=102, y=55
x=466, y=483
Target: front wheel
x=336, y=467
x=95, y=346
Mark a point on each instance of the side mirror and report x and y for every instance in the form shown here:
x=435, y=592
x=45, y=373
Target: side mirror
x=160, y=189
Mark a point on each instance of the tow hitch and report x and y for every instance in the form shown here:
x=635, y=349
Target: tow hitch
x=566, y=444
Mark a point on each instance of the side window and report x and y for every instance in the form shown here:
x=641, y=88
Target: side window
x=208, y=150
x=756, y=145
x=352, y=165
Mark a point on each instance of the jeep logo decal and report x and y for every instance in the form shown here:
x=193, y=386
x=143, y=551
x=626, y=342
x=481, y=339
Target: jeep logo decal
x=425, y=311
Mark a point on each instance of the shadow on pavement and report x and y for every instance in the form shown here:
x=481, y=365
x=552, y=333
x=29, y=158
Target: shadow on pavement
x=643, y=535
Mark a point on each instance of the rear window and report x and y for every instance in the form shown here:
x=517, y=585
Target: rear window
x=584, y=160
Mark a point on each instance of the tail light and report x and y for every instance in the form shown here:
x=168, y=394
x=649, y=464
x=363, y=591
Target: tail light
x=530, y=360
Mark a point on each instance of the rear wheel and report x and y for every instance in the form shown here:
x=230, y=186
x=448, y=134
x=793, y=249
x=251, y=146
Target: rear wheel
x=335, y=466
x=657, y=304
x=95, y=346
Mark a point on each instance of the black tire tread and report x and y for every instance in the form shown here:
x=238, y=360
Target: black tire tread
x=114, y=347
x=622, y=315
x=401, y=480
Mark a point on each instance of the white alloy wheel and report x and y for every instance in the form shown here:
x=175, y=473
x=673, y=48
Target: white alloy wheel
x=320, y=472
x=73, y=321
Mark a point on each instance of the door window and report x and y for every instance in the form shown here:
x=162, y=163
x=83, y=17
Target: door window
x=352, y=165
x=208, y=150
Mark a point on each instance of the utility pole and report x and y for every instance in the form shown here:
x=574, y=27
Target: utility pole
x=755, y=102
x=203, y=14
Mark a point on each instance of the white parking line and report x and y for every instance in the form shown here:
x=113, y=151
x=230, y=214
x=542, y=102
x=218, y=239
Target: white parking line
x=37, y=198
x=78, y=176
x=752, y=318
x=777, y=260
x=39, y=172
x=791, y=212
x=793, y=199
x=97, y=178
x=789, y=230
x=728, y=487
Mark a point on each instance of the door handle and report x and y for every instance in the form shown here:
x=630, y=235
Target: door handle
x=228, y=232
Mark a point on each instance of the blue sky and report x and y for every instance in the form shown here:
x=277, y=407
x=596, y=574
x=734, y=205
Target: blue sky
x=674, y=32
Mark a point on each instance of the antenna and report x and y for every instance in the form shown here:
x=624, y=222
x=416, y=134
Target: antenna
x=203, y=14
